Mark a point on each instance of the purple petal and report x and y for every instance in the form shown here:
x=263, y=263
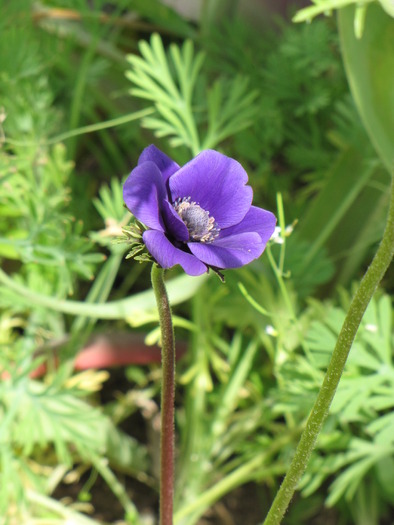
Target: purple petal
x=256, y=220
x=217, y=184
x=174, y=224
x=229, y=252
x=143, y=193
x=166, y=165
x=167, y=255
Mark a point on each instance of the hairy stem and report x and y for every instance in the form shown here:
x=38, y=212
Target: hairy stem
x=360, y=301
x=167, y=397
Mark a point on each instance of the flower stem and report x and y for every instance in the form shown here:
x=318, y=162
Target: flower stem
x=167, y=397
x=360, y=301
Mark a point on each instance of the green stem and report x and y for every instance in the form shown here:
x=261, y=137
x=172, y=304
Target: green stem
x=281, y=283
x=253, y=469
x=118, y=121
x=306, y=14
x=180, y=289
x=236, y=478
x=116, y=487
x=79, y=91
x=98, y=293
x=167, y=397
x=360, y=301
x=282, y=224
x=54, y=506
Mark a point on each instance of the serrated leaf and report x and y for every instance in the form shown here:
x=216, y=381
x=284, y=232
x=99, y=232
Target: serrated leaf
x=367, y=455
x=170, y=81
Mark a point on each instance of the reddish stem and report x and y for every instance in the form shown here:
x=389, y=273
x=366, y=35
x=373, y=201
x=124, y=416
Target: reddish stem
x=167, y=398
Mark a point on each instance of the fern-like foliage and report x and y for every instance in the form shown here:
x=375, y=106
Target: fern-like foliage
x=44, y=425
x=358, y=447
x=188, y=112
x=299, y=78
x=25, y=91
x=36, y=226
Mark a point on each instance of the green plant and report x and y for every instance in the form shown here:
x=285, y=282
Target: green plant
x=278, y=102
x=356, y=448
x=196, y=118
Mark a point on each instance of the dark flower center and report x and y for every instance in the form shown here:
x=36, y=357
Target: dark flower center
x=200, y=225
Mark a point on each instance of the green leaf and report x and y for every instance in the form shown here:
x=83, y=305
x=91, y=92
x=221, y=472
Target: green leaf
x=369, y=63
x=363, y=455
x=170, y=80
x=231, y=108
x=48, y=416
x=383, y=427
x=323, y=220
x=57, y=416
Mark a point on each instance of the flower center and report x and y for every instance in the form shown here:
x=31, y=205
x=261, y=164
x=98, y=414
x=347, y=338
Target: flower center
x=201, y=226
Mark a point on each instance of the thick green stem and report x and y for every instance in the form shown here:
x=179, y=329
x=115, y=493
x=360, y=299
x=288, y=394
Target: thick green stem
x=360, y=301
x=180, y=289
x=167, y=397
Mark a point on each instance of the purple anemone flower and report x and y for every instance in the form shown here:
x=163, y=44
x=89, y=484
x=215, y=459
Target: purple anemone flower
x=199, y=216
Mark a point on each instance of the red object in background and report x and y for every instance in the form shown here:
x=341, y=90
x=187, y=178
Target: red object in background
x=107, y=351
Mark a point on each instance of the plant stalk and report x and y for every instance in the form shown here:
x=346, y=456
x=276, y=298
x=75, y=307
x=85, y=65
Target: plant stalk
x=167, y=397
x=361, y=299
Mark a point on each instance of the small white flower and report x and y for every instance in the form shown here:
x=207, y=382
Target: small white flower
x=276, y=236
x=279, y=235
x=371, y=328
x=270, y=330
